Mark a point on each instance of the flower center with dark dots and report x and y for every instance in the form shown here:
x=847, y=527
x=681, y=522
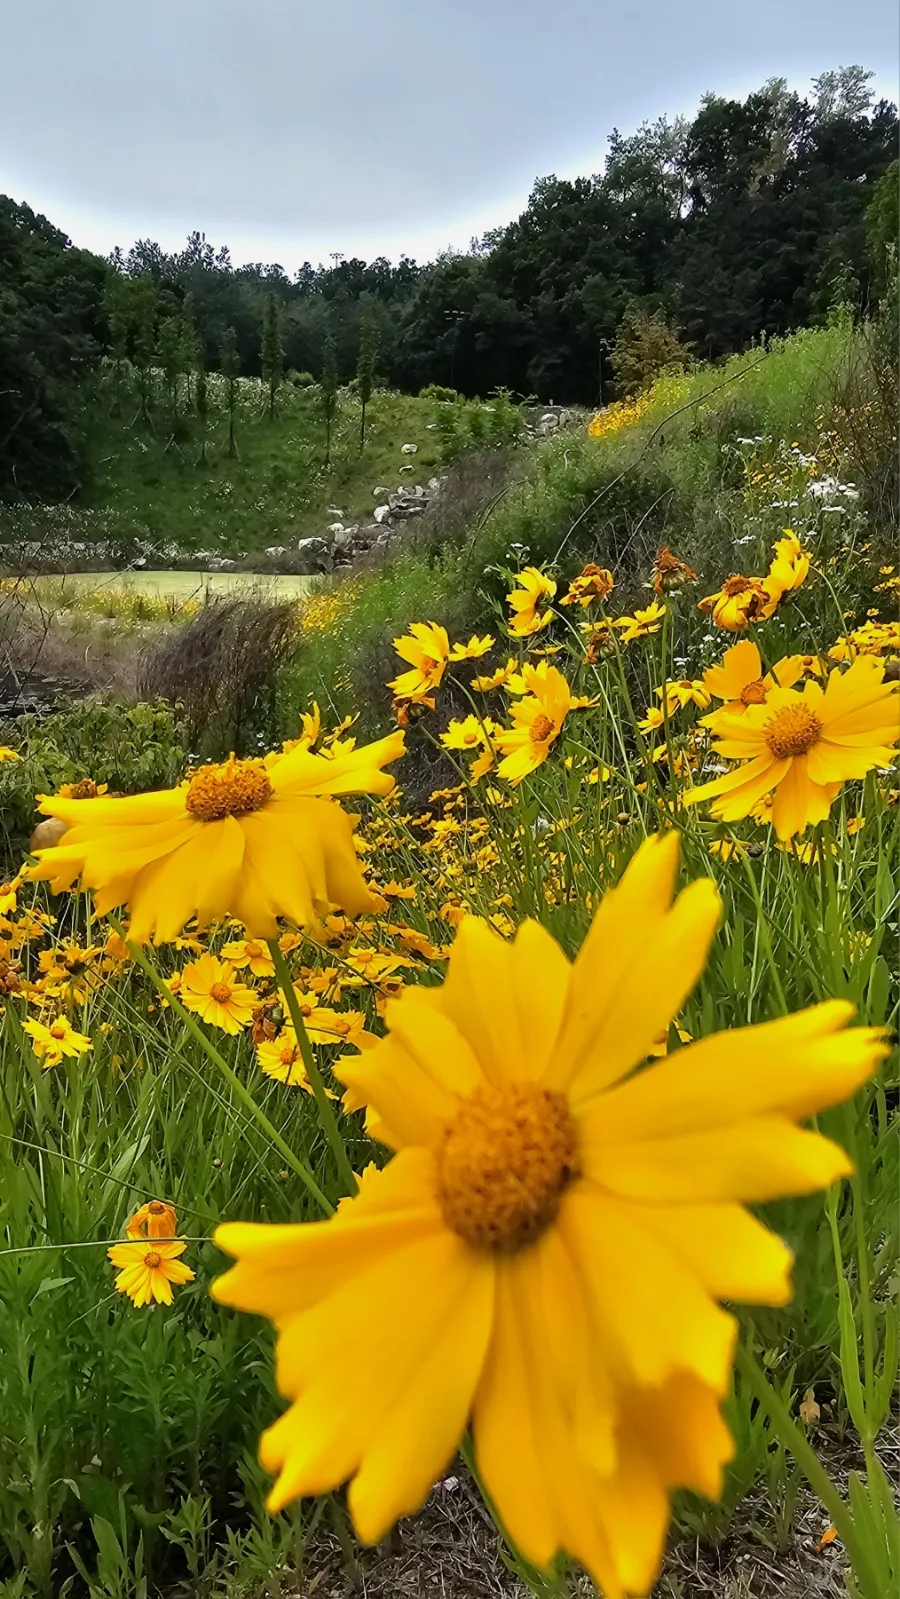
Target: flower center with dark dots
x=754, y=693
x=792, y=731
x=504, y=1163
x=541, y=728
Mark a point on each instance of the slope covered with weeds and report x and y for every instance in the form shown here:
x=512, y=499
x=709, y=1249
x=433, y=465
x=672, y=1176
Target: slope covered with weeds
x=673, y=470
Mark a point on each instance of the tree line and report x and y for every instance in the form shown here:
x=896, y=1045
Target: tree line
x=748, y=220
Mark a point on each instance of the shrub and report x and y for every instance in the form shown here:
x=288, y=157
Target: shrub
x=438, y=391
x=131, y=748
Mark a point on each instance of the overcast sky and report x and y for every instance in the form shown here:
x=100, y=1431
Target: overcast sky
x=293, y=128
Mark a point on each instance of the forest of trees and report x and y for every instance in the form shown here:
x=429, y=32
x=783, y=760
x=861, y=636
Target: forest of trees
x=750, y=220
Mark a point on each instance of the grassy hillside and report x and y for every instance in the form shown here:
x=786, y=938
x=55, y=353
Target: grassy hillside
x=153, y=481
x=677, y=467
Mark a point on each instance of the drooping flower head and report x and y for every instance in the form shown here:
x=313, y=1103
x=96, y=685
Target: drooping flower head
x=546, y=1251
x=593, y=584
x=529, y=602
x=789, y=566
x=802, y=747
x=253, y=839
x=670, y=573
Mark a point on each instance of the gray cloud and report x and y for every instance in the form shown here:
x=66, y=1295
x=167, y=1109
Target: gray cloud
x=290, y=128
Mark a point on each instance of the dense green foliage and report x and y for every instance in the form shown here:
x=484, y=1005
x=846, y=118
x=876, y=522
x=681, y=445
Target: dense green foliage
x=750, y=220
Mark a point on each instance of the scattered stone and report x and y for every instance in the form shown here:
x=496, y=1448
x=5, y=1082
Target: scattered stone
x=409, y=449
x=381, y=513
x=316, y=554
x=333, y=510
x=335, y=529
x=379, y=492
x=276, y=549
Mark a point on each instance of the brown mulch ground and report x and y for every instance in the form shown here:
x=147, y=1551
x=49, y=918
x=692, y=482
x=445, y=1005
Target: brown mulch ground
x=450, y=1550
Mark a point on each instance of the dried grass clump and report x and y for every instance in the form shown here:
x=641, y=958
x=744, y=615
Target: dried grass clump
x=222, y=669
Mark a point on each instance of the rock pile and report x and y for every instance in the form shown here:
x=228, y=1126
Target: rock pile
x=341, y=544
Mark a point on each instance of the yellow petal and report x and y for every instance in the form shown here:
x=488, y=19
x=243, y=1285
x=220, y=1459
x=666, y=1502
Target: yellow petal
x=506, y=999
x=628, y=1273
x=734, y=1256
x=754, y=1160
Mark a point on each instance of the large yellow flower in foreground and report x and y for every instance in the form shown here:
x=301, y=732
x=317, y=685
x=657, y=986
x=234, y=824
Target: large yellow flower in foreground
x=803, y=747
x=251, y=839
x=546, y=1252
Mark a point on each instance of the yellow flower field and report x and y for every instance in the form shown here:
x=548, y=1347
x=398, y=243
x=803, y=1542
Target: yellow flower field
x=535, y=1126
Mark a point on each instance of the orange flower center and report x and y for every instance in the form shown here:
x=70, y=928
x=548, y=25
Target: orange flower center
x=792, y=731
x=429, y=665
x=152, y=1259
x=735, y=585
x=85, y=789
x=231, y=788
x=754, y=693
x=541, y=728
x=503, y=1164
x=58, y=1030
x=156, y=1207
x=290, y=1055
x=221, y=993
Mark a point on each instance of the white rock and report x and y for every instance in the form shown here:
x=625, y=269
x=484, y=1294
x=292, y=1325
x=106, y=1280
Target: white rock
x=333, y=510
x=379, y=492
x=381, y=513
x=407, y=469
x=275, y=549
x=335, y=528
x=409, y=449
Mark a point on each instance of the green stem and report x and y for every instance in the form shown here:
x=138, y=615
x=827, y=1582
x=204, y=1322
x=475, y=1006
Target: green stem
x=791, y=1435
x=763, y=928
x=323, y=1103
x=238, y=1088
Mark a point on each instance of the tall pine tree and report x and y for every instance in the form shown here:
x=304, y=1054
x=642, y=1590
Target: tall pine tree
x=272, y=351
x=369, y=340
x=230, y=367
x=328, y=390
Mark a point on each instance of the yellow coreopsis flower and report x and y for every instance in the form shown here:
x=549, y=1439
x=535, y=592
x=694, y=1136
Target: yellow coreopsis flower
x=148, y=1269
x=670, y=572
x=642, y=623
x=472, y=651
x=740, y=681
x=546, y=1251
x=472, y=735
x=686, y=691
x=534, y=590
x=211, y=988
x=802, y=747
x=256, y=840
x=427, y=648
x=789, y=567
x=8, y=754
x=251, y=953
x=498, y=679
x=53, y=1041
x=538, y=719
x=593, y=583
